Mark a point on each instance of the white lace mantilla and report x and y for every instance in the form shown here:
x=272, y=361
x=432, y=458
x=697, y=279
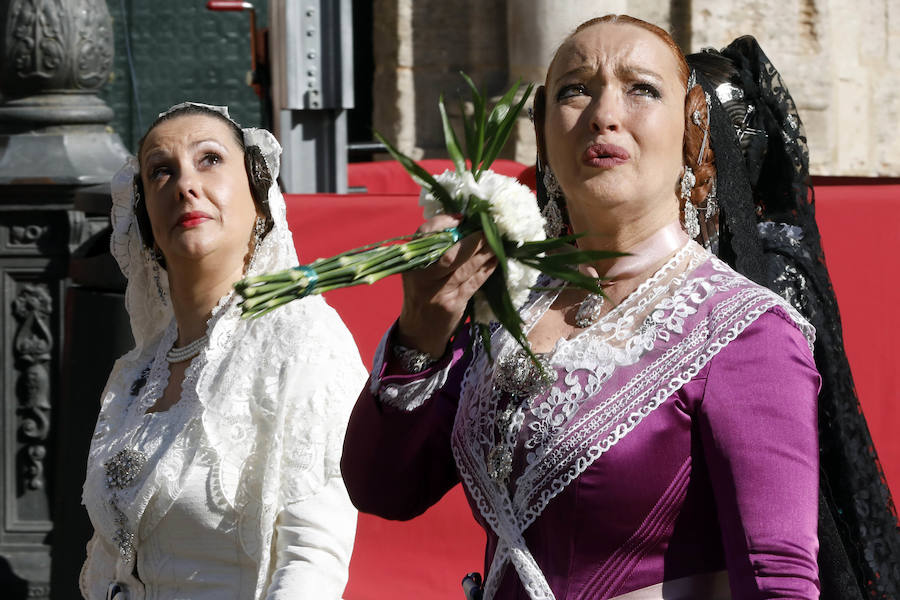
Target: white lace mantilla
x=609, y=377
x=265, y=404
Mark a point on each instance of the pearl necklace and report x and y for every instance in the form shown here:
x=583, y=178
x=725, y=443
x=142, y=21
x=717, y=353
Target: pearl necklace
x=177, y=355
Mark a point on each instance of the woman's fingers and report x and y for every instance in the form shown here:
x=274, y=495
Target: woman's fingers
x=435, y=298
x=439, y=223
x=463, y=251
x=473, y=282
x=468, y=263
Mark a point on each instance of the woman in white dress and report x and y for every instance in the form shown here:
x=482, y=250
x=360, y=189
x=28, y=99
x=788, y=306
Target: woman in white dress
x=213, y=471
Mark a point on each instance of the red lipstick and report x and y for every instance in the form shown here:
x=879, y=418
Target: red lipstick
x=192, y=219
x=605, y=156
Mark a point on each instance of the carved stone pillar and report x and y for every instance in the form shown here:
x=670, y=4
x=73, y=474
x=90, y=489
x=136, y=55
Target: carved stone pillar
x=55, y=55
x=54, y=143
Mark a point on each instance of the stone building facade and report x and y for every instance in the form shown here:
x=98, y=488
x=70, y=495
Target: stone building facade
x=839, y=59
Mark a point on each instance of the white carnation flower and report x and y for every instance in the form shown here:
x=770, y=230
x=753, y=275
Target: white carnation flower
x=512, y=205
x=483, y=312
x=520, y=278
x=513, y=208
x=458, y=185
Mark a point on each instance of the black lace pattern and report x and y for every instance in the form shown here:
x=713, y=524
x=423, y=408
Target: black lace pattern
x=768, y=232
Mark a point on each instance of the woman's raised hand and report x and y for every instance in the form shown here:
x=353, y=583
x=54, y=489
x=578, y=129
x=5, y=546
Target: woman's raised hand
x=435, y=298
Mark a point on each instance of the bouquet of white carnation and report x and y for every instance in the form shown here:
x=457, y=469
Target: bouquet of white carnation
x=502, y=208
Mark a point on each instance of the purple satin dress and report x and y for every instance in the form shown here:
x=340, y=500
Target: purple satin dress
x=721, y=474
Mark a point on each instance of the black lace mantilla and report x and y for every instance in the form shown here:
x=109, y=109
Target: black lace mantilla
x=768, y=232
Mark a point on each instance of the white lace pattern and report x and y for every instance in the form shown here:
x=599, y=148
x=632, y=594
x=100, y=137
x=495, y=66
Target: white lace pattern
x=609, y=377
x=265, y=404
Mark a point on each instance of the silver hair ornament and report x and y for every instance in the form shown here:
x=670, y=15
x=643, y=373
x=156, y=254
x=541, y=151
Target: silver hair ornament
x=698, y=121
x=712, y=204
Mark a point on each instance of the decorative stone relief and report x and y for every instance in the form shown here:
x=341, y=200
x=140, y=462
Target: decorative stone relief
x=26, y=235
x=37, y=38
x=58, y=44
x=32, y=346
x=93, y=46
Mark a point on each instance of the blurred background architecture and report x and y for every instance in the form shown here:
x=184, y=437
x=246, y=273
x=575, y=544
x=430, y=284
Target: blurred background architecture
x=81, y=80
x=840, y=60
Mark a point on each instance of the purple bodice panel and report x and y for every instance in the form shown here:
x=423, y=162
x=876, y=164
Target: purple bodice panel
x=721, y=475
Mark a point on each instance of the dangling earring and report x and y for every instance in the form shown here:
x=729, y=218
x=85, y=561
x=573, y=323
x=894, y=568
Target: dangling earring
x=259, y=229
x=712, y=204
x=153, y=256
x=554, y=225
x=691, y=220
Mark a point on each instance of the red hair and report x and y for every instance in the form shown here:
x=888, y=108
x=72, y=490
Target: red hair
x=683, y=69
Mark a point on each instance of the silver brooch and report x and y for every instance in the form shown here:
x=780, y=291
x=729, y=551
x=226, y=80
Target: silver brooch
x=122, y=468
x=520, y=379
x=518, y=376
x=499, y=463
x=123, y=537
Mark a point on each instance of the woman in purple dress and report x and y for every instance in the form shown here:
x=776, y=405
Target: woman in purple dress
x=675, y=454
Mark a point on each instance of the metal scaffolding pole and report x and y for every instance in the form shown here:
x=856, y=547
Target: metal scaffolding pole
x=311, y=50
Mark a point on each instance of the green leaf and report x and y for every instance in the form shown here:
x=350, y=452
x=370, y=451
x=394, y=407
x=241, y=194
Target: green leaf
x=497, y=296
x=492, y=237
x=479, y=117
x=574, y=257
x=450, y=138
x=535, y=247
x=498, y=140
x=477, y=98
x=469, y=129
x=501, y=110
x=484, y=332
x=566, y=273
x=421, y=176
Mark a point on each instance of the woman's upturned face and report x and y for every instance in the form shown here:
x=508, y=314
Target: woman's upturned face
x=614, y=123
x=197, y=192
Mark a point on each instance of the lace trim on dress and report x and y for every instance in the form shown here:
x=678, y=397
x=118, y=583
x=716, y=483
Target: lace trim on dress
x=609, y=378
x=273, y=403
x=405, y=397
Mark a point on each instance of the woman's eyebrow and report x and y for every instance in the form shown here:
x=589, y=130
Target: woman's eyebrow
x=630, y=69
x=156, y=152
x=577, y=71
x=208, y=141
x=153, y=154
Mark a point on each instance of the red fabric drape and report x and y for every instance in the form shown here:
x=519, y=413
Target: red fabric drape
x=860, y=227
x=427, y=557
x=388, y=177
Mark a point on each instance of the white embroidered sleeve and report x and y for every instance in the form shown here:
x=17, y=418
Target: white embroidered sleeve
x=410, y=393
